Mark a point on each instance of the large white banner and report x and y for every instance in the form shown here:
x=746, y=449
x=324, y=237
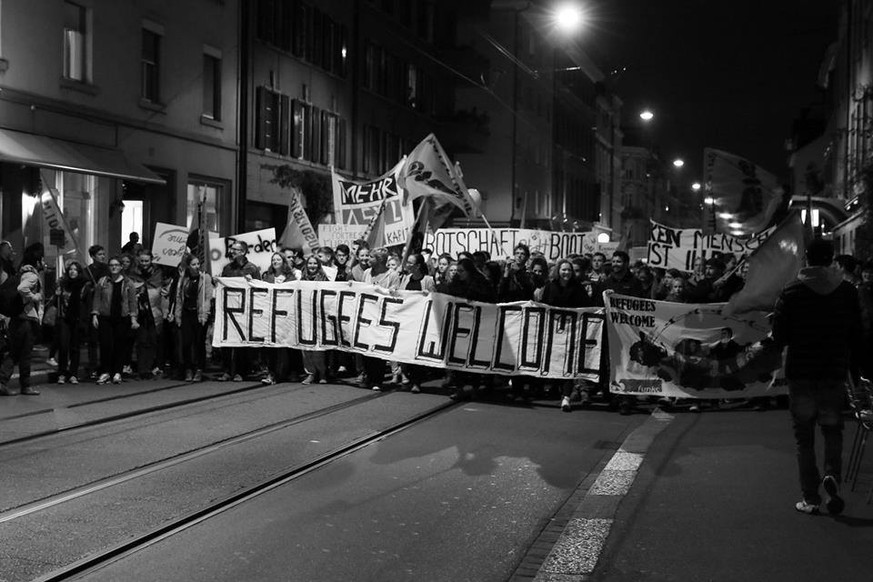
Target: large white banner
x=678, y=248
x=169, y=244
x=689, y=350
x=262, y=245
x=501, y=241
x=357, y=203
x=411, y=327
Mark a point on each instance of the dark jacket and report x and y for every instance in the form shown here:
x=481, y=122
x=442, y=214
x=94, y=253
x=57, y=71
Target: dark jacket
x=571, y=295
x=626, y=285
x=233, y=269
x=517, y=286
x=819, y=319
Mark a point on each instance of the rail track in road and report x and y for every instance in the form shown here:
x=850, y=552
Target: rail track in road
x=96, y=560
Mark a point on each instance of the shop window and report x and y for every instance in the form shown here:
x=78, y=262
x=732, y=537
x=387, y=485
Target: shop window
x=75, y=42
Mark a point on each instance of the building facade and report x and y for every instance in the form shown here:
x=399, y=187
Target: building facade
x=127, y=109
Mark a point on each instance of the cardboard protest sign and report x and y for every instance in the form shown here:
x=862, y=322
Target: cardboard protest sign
x=262, y=245
x=501, y=241
x=358, y=203
x=678, y=248
x=169, y=244
x=425, y=329
x=332, y=235
x=659, y=348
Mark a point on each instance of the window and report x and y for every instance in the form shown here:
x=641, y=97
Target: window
x=75, y=42
x=212, y=86
x=211, y=193
x=267, y=130
x=151, y=50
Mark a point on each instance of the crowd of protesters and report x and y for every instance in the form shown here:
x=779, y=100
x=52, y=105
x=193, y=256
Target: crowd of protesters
x=140, y=320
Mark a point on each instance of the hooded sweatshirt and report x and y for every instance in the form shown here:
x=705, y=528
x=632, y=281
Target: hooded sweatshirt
x=818, y=318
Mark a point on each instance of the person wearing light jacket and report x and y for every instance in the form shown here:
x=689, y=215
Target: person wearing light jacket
x=191, y=313
x=113, y=315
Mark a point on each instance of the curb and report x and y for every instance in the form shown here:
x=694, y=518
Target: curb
x=568, y=548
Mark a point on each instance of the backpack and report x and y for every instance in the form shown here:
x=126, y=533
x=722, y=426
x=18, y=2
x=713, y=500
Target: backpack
x=11, y=302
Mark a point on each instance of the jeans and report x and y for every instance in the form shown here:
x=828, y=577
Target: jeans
x=193, y=342
x=22, y=335
x=817, y=401
x=68, y=350
x=113, y=331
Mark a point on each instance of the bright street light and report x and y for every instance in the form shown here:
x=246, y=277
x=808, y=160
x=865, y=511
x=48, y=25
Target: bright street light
x=568, y=17
x=696, y=186
x=709, y=200
x=678, y=162
x=647, y=115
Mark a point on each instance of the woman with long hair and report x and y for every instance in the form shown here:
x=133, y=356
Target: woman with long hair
x=415, y=278
x=72, y=314
x=440, y=276
x=191, y=314
x=564, y=290
x=314, y=362
x=277, y=359
x=113, y=314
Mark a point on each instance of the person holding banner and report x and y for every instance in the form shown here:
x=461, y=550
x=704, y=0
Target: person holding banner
x=191, y=312
x=362, y=262
x=237, y=360
x=565, y=291
x=416, y=278
x=314, y=362
x=277, y=359
x=380, y=275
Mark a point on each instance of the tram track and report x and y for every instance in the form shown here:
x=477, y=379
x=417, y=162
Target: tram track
x=140, y=411
x=96, y=560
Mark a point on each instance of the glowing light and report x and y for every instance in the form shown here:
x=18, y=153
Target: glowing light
x=696, y=186
x=678, y=163
x=647, y=115
x=735, y=225
x=569, y=17
x=725, y=215
x=603, y=237
x=709, y=200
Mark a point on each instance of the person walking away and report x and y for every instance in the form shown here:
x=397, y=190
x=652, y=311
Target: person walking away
x=192, y=310
x=817, y=318
x=72, y=312
x=113, y=315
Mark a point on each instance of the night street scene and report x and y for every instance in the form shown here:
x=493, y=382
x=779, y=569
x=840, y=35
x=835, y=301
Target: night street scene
x=436, y=290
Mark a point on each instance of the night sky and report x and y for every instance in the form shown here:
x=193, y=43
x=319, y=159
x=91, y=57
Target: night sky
x=731, y=75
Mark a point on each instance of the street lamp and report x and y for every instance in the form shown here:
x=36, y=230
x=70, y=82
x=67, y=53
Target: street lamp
x=696, y=186
x=568, y=17
x=647, y=115
x=678, y=163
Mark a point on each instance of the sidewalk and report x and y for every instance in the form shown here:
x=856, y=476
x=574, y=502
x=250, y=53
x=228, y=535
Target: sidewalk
x=714, y=500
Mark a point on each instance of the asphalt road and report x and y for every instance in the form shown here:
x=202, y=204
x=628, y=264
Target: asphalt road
x=459, y=496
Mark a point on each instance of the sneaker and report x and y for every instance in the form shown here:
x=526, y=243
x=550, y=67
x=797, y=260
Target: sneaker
x=198, y=376
x=415, y=389
x=376, y=389
x=267, y=380
x=808, y=508
x=157, y=371
x=834, y=503
x=565, y=404
x=104, y=378
x=52, y=362
x=116, y=379
x=308, y=379
x=127, y=370
x=189, y=376
x=62, y=380
x=74, y=380
x=28, y=391
x=237, y=378
x=341, y=370
x=322, y=381
x=225, y=377
x=694, y=408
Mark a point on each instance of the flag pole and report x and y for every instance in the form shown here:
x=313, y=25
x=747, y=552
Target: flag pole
x=408, y=247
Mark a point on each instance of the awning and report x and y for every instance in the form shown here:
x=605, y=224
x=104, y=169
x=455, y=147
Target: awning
x=47, y=152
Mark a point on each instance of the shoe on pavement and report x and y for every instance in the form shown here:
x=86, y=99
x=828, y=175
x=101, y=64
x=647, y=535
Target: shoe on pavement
x=267, y=380
x=74, y=380
x=127, y=370
x=116, y=379
x=189, y=376
x=198, y=376
x=225, y=377
x=376, y=388
x=157, y=371
x=416, y=389
x=52, y=362
x=322, y=381
x=104, y=378
x=834, y=503
x=4, y=391
x=565, y=404
x=804, y=507
x=237, y=378
x=308, y=379
x=62, y=380
x=694, y=408
x=28, y=391
x=341, y=370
